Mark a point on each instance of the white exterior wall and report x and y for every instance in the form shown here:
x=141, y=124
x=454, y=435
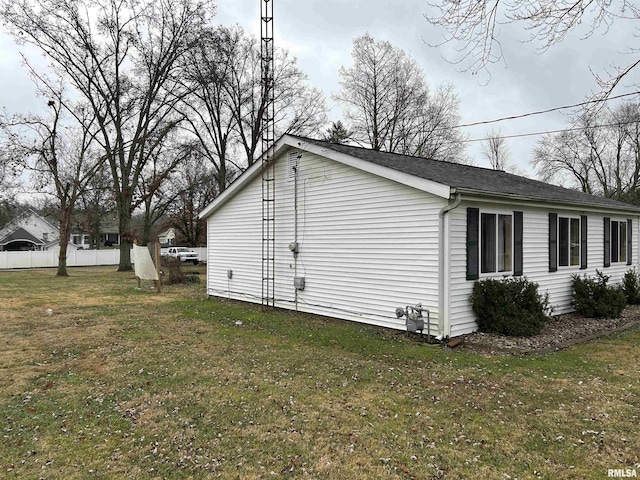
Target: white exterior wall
x=367, y=244
x=535, y=258
x=234, y=242
x=34, y=224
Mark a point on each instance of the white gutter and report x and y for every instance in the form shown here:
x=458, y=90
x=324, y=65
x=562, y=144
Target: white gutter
x=444, y=267
x=511, y=198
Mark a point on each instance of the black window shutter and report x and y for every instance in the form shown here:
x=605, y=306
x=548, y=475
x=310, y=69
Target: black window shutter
x=553, y=242
x=583, y=241
x=607, y=241
x=473, y=227
x=629, y=241
x=517, y=243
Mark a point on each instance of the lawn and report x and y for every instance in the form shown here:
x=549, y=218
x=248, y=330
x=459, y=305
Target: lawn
x=123, y=383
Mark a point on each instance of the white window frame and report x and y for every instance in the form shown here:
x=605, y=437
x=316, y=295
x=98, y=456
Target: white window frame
x=495, y=273
x=569, y=218
x=622, y=249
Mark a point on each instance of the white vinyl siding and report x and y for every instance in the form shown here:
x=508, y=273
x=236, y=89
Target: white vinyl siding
x=535, y=260
x=234, y=242
x=366, y=244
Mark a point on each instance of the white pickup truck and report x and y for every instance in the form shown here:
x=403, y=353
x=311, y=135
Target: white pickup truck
x=183, y=254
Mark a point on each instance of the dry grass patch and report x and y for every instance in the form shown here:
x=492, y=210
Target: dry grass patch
x=122, y=383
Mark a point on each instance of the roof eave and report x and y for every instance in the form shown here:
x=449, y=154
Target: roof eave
x=430, y=186
x=252, y=172
x=473, y=194
x=435, y=188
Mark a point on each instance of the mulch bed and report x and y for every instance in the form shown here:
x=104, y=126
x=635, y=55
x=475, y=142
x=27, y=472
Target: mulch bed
x=560, y=332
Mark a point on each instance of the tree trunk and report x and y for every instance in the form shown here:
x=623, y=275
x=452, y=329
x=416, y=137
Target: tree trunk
x=222, y=176
x=124, y=223
x=94, y=238
x=146, y=228
x=65, y=231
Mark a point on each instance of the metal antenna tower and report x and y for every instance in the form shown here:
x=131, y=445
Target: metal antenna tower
x=268, y=162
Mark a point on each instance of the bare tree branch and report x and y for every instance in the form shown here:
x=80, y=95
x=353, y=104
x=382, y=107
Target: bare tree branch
x=472, y=26
x=388, y=105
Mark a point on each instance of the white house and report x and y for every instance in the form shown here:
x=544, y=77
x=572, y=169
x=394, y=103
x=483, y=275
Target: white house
x=28, y=231
x=167, y=237
x=360, y=232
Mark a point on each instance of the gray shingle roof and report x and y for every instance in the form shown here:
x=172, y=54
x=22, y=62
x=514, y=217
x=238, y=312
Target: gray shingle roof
x=20, y=234
x=476, y=179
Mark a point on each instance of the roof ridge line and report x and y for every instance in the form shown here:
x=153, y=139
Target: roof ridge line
x=448, y=162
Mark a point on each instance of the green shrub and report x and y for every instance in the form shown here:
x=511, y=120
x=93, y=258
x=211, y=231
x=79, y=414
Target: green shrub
x=593, y=298
x=509, y=307
x=631, y=287
x=192, y=278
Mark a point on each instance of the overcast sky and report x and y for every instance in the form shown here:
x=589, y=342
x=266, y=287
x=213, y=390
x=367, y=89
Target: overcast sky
x=320, y=34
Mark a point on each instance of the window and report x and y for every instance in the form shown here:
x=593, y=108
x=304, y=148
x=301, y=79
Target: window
x=623, y=241
x=618, y=241
x=505, y=241
x=615, y=246
x=574, y=242
x=568, y=241
x=45, y=236
x=496, y=242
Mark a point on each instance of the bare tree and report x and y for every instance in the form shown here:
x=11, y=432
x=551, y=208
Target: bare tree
x=9, y=172
x=388, y=105
x=432, y=130
x=95, y=206
x=61, y=157
x=300, y=109
x=473, y=25
x=225, y=108
x=154, y=191
x=599, y=155
x=121, y=57
x=195, y=188
x=495, y=149
x=207, y=109
x=8, y=210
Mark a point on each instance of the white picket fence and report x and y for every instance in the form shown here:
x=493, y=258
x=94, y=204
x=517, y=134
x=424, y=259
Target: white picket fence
x=75, y=258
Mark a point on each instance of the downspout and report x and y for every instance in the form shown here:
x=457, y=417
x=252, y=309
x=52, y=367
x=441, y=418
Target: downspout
x=444, y=260
x=295, y=227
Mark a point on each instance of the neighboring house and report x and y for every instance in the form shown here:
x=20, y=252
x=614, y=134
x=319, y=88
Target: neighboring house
x=80, y=240
x=167, y=237
x=28, y=231
x=55, y=246
x=376, y=231
x=109, y=236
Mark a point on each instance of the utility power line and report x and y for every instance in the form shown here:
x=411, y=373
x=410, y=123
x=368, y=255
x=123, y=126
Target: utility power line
x=571, y=129
x=540, y=112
